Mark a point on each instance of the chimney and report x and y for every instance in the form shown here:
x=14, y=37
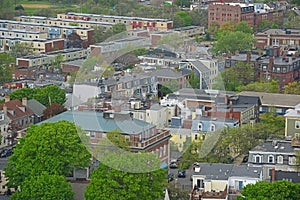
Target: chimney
x=24, y=101
x=271, y=62
x=276, y=51
x=7, y=99
x=273, y=174
x=5, y=109
x=226, y=99
x=117, y=108
x=248, y=57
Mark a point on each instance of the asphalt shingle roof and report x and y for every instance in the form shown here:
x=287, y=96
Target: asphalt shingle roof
x=274, y=146
x=36, y=107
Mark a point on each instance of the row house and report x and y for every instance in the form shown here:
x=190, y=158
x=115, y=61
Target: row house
x=64, y=22
x=219, y=13
x=167, y=76
x=139, y=136
x=292, y=124
x=222, y=181
x=277, y=154
x=121, y=45
x=243, y=108
x=37, y=45
x=151, y=61
x=275, y=65
x=131, y=23
x=202, y=72
x=274, y=102
x=21, y=33
x=276, y=16
x=129, y=86
x=19, y=115
x=277, y=37
x=190, y=32
x=52, y=31
x=43, y=60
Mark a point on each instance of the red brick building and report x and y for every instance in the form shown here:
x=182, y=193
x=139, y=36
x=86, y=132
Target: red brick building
x=278, y=37
x=219, y=13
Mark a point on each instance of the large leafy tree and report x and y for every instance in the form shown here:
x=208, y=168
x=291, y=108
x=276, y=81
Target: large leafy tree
x=270, y=87
x=181, y=19
x=44, y=186
x=292, y=88
x=53, y=109
x=5, y=68
x=232, y=42
x=116, y=183
x=194, y=80
x=21, y=49
x=52, y=148
x=265, y=190
x=243, y=27
x=46, y=96
x=51, y=94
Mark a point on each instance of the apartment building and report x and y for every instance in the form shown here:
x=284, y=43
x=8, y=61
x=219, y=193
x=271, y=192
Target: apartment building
x=43, y=60
x=52, y=31
x=277, y=37
x=130, y=22
x=37, y=45
x=219, y=13
x=21, y=33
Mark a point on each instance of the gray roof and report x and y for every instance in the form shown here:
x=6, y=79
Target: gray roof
x=156, y=107
x=274, y=99
x=72, y=101
x=279, y=146
x=36, y=107
x=75, y=62
x=200, y=66
x=218, y=119
x=220, y=171
x=94, y=121
x=243, y=57
x=290, y=176
x=167, y=73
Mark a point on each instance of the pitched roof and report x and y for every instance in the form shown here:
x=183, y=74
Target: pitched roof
x=16, y=110
x=290, y=176
x=220, y=171
x=281, y=146
x=274, y=99
x=167, y=73
x=94, y=121
x=36, y=107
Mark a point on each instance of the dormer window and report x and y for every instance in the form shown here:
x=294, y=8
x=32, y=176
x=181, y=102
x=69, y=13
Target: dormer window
x=280, y=159
x=212, y=127
x=257, y=159
x=297, y=124
x=200, y=127
x=271, y=159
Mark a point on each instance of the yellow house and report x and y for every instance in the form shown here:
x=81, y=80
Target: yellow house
x=181, y=138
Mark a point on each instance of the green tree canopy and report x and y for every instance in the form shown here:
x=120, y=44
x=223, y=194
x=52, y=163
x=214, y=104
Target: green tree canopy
x=243, y=27
x=115, y=184
x=292, y=88
x=182, y=18
x=233, y=41
x=53, y=148
x=44, y=187
x=279, y=190
x=51, y=94
x=118, y=28
x=5, y=68
x=270, y=87
x=21, y=49
x=169, y=87
x=194, y=81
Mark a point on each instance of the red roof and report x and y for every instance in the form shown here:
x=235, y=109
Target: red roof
x=16, y=110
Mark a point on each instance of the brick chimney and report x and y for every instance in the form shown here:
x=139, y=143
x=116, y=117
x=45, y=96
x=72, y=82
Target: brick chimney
x=5, y=109
x=7, y=99
x=24, y=101
x=273, y=174
x=248, y=57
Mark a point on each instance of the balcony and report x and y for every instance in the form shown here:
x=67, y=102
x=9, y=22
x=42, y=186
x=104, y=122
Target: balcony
x=200, y=194
x=162, y=134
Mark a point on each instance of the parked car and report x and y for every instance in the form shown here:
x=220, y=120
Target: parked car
x=6, y=153
x=173, y=164
x=181, y=174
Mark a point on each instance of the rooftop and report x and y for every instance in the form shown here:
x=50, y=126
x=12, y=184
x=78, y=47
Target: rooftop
x=220, y=171
x=94, y=121
x=274, y=146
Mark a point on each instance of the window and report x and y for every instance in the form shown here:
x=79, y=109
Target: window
x=200, y=127
x=238, y=185
x=127, y=138
x=297, y=135
x=279, y=159
x=292, y=160
x=297, y=124
x=257, y=159
x=180, y=136
x=196, y=136
x=200, y=183
x=271, y=159
x=92, y=134
x=212, y=127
